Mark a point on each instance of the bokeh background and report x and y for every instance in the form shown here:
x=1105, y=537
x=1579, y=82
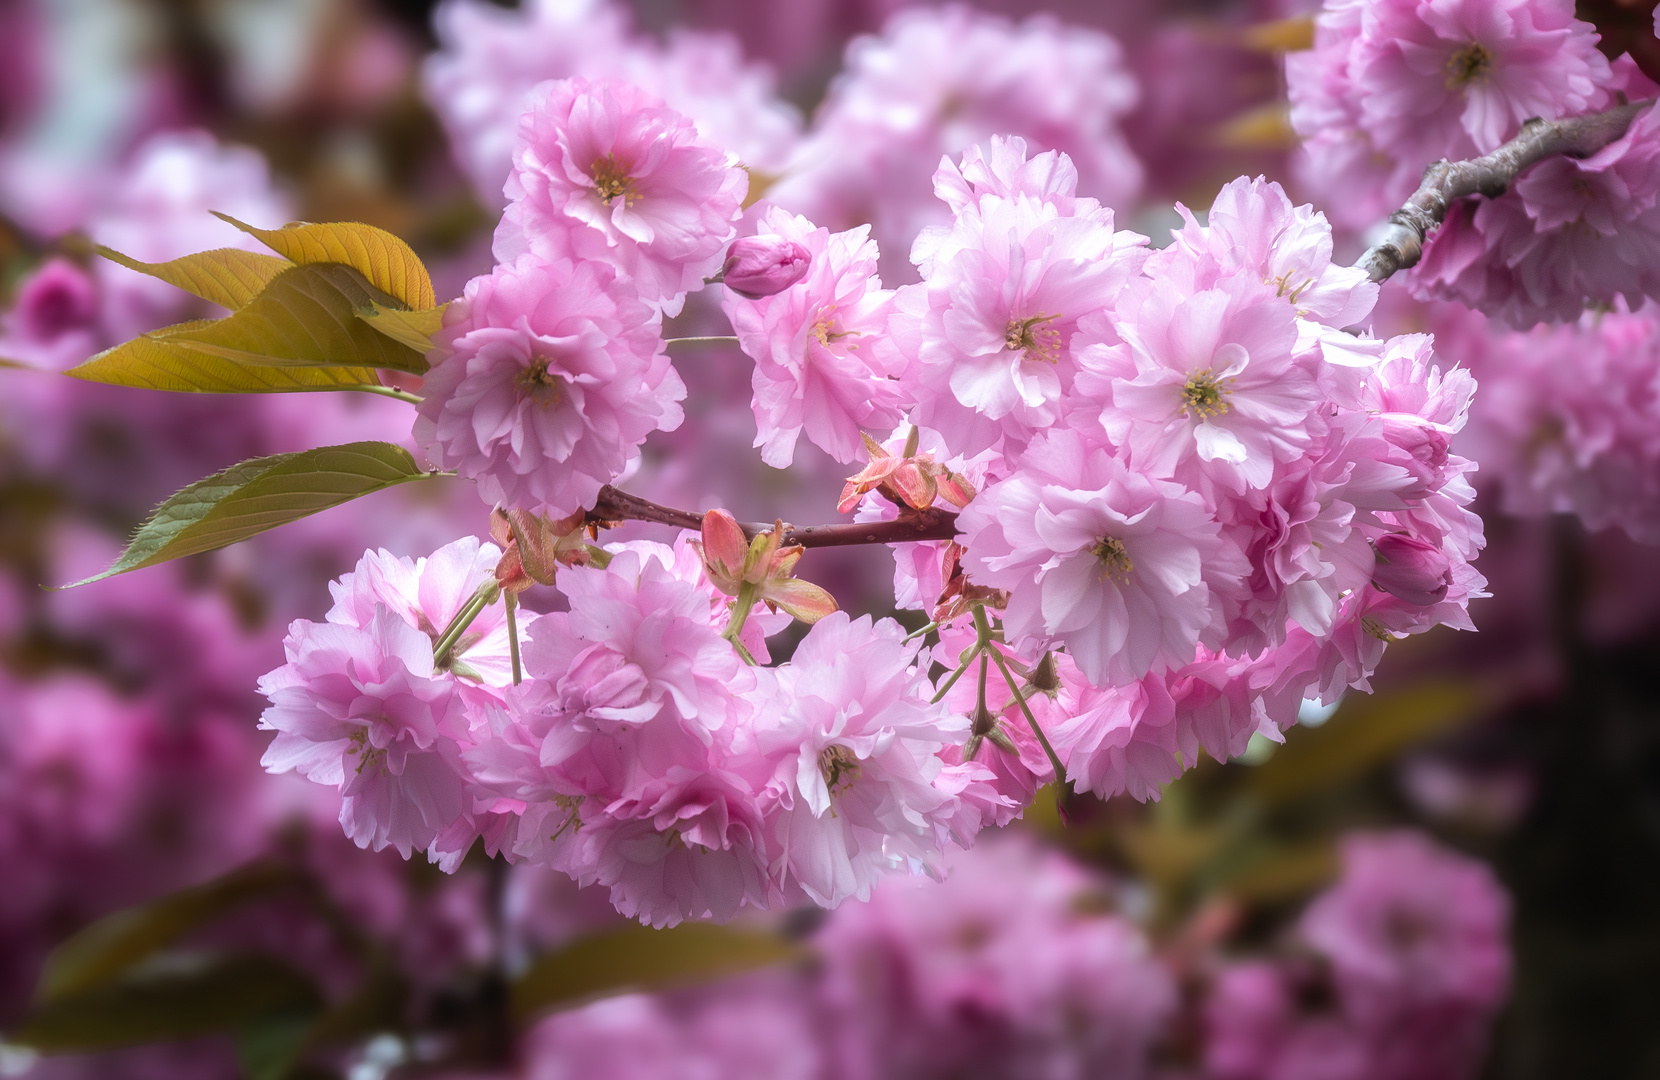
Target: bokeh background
x=1487, y=823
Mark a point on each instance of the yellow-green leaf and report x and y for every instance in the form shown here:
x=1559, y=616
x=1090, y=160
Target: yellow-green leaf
x=228, y=277
x=258, y=495
x=116, y=942
x=386, y=261
x=635, y=958
x=156, y=362
x=1364, y=733
x=307, y=317
x=412, y=328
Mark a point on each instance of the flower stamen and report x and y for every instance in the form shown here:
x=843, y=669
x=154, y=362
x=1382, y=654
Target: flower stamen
x=538, y=381
x=839, y=767
x=611, y=181
x=1203, y=396
x=1034, y=337
x=1468, y=65
x=1114, y=559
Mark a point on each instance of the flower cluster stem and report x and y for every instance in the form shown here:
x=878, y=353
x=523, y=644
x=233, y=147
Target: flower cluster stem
x=483, y=598
x=984, y=628
x=512, y=604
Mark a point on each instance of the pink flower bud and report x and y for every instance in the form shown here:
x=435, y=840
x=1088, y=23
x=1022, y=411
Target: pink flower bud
x=758, y=266
x=1411, y=569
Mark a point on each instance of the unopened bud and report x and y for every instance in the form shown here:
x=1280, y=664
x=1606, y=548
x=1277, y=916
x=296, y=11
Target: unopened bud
x=1411, y=569
x=759, y=266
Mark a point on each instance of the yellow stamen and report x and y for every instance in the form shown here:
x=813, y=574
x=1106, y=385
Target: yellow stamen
x=1468, y=65
x=1115, y=559
x=1203, y=396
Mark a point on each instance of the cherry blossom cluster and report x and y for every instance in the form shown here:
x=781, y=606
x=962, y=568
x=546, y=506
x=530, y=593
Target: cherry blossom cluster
x=1189, y=500
x=1413, y=951
x=1567, y=417
x=1394, y=85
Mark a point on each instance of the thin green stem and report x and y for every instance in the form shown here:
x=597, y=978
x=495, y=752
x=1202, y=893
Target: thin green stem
x=483, y=598
x=740, y=614
x=512, y=604
x=388, y=391
x=984, y=628
x=913, y=635
x=720, y=339
x=955, y=675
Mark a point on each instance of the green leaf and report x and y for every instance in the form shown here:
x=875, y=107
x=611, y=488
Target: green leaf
x=635, y=958
x=228, y=277
x=114, y=944
x=258, y=495
x=156, y=362
x=386, y=261
x=269, y=1046
x=161, y=1002
x=412, y=328
x=306, y=317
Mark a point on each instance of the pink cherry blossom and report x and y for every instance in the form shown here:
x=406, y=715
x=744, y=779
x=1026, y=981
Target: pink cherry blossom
x=1216, y=389
x=856, y=741
x=364, y=709
x=491, y=58
x=940, y=79
x=554, y=376
x=1002, y=969
x=1412, y=924
x=606, y=172
x=1128, y=571
x=819, y=365
x=1394, y=85
x=989, y=331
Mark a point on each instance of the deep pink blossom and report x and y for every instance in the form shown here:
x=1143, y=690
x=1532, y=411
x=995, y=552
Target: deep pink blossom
x=1003, y=969
x=761, y=266
x=606, y=172
x=554, y=376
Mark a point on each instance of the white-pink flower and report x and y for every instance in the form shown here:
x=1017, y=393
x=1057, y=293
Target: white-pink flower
x=1129, y=572
x=820, y=366
x=856, y=743
x=1216, y=389
x=364, y=709
x=555, y=376
x=989, y=331
x=606, y=172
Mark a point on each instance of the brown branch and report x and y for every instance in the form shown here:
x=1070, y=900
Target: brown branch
x=1490, y=175
x=931, y=524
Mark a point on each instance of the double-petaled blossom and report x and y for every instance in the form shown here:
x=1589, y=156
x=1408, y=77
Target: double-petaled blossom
x=490, y=59
x=554, y=376
x=988, y=333
x=935, y=82
x=366, y=705
x=1213, y=387
x=1394, y=85
x=855, y=791
x=622, y=755
x=1012, y=966
x=820, y=365
x=604, y=172
x=1130, y=572
x=1569, y=232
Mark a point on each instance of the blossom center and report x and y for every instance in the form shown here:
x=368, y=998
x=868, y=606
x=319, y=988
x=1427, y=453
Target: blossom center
x=539, y=381
x=824, y=327
x=612, y=181
x=1034, y=337
x=1114, y=559
x=1203, y=396
x=1467, y=65
x=839, y=767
